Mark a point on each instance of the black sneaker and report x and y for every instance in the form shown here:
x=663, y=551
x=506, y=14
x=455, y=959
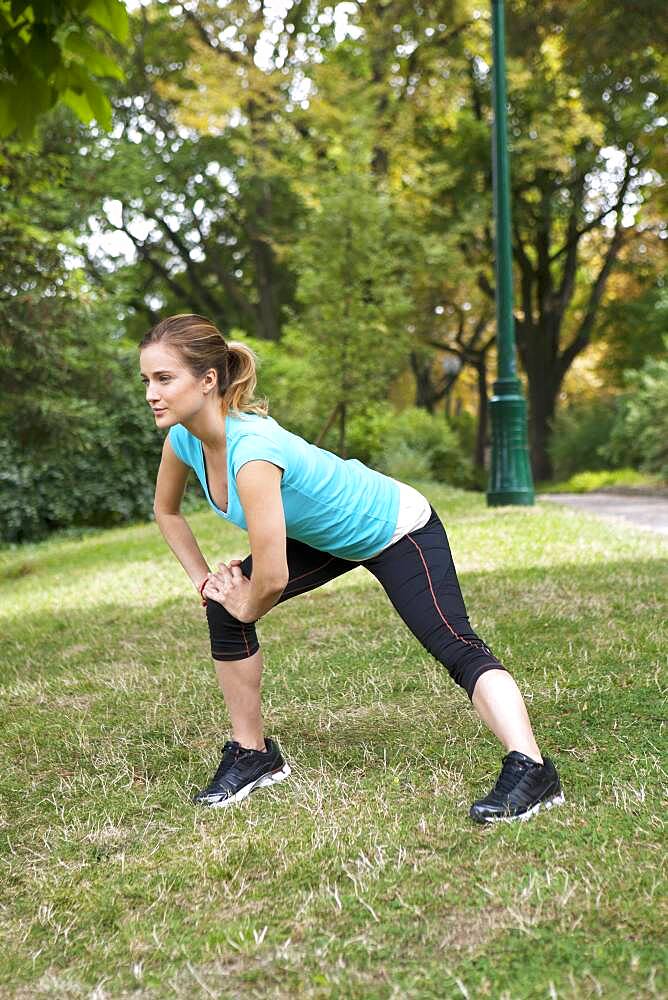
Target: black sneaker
x=522, y=788
x=241, y=771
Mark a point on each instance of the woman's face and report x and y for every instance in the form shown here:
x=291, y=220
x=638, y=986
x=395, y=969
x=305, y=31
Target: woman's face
x=172, y=391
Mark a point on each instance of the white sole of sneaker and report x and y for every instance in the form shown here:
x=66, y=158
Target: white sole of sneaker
x=267, y=779
x=556, y=800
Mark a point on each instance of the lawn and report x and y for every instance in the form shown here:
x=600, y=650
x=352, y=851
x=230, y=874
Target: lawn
x=362, y=875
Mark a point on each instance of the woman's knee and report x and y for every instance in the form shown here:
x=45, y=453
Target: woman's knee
x=230, y=638
x=466, y=660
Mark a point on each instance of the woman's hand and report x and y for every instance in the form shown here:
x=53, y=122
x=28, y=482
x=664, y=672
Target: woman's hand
x=230, y=588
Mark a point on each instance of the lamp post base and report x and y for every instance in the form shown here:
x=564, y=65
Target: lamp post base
x=510, y=481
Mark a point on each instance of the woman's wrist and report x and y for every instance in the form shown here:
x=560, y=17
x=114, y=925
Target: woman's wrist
x=201, y=589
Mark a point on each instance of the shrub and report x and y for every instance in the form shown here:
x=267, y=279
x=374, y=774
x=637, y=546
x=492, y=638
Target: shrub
x=640, y=432
x=465, y=426
x=415, y=444
x=580, y=434
x=101, y=472
x=585, y=482
x=368, y=431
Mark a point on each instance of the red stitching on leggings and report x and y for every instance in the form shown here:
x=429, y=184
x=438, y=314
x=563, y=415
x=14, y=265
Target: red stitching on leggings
x=243, y=632
x=436, y=605
x=294, y=579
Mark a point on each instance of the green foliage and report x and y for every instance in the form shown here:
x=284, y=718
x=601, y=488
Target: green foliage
x=358, y=196
x=368, y=430
x=413, y=444
x=46, y=55
x=580, y=435
x=285, y=379
x=586, y=482
x=634, y=328
x=464, y=425
x=640, y=432
x=96, y=467
x=352, y=325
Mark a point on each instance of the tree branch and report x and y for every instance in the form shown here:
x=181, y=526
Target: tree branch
x=157, y=266
x=567, y=285
x=484, y=285
x=526, y=273
x=204, y=294
x=583, y=335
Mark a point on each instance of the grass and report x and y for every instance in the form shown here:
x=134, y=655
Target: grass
x=586, y=482
x=361, y=876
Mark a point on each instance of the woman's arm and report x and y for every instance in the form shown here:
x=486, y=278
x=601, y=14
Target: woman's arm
x=169, y=488
x=259, y=488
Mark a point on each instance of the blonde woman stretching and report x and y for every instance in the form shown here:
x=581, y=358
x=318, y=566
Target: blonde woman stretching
x=310, y=516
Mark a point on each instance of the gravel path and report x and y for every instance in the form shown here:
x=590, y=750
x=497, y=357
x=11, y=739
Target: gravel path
x=644, y=510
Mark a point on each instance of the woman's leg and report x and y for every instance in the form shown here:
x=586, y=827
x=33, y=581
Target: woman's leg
x=419, y=576
x=500, y=705
x=235, y=648
x=240, y=681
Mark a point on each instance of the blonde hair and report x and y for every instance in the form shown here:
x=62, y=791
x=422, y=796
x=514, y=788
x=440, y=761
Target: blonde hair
x=202, y=347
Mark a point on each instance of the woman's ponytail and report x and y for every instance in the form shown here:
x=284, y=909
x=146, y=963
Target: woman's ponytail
x=242, y=375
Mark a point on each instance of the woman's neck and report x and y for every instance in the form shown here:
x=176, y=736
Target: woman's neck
x=209, y=425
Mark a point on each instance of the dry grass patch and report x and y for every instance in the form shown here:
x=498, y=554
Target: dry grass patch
x=361, y=876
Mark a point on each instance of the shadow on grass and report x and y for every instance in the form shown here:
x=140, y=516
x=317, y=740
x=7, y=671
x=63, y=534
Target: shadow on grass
x=551, y=621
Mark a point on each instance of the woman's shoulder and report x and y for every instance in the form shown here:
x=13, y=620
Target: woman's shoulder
x=183, y=442
x=244, y=424
x=252, y=437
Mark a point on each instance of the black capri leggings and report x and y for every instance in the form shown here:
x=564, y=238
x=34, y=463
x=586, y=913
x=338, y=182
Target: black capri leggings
x=419, y=577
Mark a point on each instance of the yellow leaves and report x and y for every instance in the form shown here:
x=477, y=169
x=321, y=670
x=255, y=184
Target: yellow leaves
x=226, y=87
x=552, y=52
x=520, y=74
x=555, y=118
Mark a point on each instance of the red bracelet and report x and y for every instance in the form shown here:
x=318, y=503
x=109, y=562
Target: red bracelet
x=201, y=588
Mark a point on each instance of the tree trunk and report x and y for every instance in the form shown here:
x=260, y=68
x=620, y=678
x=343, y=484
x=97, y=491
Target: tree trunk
x=268, y=327
x=328, y=423
x=342, y=430
x=426, y=393
x=539, y=350
x=481, y=430
x=542, y=405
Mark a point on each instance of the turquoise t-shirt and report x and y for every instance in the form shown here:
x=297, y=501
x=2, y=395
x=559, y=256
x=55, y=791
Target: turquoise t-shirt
x=341, y=507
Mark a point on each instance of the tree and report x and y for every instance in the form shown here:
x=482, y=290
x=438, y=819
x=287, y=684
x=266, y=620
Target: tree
x=353, y=313
x=632, y=324
x=584, y=131
x=583, y=139
x=198, y=186
x=53, y=50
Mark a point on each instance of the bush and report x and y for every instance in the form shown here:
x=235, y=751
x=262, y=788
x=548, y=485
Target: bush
x=580, y=435
x=285, y=379
x=413, y=444
x=368, y=431
x=585, y=482
x=640, y=432
x=465, y=426
x=101, y=473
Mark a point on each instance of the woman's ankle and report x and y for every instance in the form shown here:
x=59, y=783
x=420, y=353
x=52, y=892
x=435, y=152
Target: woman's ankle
x=248, y=742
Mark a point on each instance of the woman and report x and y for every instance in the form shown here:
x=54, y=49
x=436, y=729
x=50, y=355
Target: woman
x=310, y=517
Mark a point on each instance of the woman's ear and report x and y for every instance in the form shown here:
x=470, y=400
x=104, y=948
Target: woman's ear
x=209, y=380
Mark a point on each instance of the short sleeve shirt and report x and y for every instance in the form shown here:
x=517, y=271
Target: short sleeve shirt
x=338, y=506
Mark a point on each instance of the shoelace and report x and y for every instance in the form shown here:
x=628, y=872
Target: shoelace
x=231, y=751
x=510, y=773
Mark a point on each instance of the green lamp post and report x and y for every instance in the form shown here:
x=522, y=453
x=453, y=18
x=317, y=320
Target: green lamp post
x=510, y=474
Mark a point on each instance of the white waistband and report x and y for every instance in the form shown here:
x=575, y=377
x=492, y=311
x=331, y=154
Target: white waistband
x=414, y=512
